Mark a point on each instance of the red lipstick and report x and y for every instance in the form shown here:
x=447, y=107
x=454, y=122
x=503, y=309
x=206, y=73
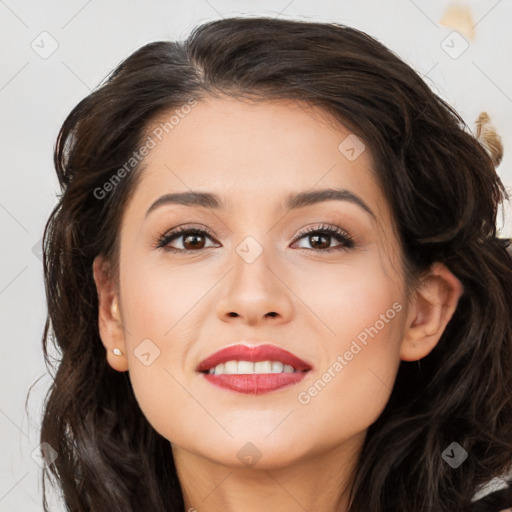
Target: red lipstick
x=262, y=381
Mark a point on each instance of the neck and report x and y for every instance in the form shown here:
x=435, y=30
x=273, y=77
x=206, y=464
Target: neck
x=314, y=483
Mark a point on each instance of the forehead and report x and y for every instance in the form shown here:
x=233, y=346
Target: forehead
x=254, y=151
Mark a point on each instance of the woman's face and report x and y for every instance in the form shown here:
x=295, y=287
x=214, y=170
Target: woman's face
x=253, y=277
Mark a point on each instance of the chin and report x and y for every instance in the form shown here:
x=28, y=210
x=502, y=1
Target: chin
x=251, y=456
x=248, y=451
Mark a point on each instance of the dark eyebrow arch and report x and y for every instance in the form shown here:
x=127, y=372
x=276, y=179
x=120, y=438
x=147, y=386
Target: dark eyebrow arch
x=292, y=202
x=311, y=197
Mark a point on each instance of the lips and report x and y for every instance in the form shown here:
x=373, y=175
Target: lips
x=254, y=383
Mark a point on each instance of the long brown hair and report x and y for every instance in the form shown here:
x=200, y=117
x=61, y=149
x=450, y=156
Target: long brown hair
x=444, y=193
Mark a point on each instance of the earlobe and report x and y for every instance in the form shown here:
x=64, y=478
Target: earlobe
x=109, y=316
x=434, y=303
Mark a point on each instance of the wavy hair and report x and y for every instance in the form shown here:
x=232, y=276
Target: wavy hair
x=444, y=193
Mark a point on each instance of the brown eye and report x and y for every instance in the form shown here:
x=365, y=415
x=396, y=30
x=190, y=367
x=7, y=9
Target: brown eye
x=320, y=239
x=191, y=240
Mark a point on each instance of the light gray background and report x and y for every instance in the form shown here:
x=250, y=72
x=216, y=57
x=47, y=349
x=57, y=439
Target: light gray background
x=93, y=36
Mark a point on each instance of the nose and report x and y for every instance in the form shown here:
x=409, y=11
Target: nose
x=255, y=292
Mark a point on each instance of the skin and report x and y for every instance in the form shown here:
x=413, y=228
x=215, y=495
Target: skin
x=253, y=155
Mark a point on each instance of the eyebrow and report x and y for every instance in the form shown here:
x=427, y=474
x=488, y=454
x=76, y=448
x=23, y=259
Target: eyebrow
x=292, y=201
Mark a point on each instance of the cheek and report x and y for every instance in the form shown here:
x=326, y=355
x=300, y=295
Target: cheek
x=163, y=304
x=353, y=387
x=351, y=390
x=364, y=311
x=160, y=314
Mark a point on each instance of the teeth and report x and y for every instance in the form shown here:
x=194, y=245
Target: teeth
x=230, y=367
x=263, y=367
x=221, y=368
x=277, y=367
x=247, y=367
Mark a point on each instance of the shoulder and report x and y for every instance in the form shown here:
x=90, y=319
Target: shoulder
x=496, y=501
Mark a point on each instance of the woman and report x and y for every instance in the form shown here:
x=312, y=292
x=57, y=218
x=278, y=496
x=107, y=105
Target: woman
x=276, y=284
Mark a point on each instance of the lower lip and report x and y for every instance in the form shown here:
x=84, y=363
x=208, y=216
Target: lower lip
x=255, y=384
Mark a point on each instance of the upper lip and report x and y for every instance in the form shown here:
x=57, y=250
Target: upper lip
x=266, y=352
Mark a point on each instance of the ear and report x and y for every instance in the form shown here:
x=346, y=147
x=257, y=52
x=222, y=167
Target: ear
x=109, y=315
x=433, y=305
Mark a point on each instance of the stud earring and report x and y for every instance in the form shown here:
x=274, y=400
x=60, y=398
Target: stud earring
x=117, y=352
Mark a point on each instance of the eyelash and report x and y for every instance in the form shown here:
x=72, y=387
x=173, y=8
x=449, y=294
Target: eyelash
x=348, y=242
